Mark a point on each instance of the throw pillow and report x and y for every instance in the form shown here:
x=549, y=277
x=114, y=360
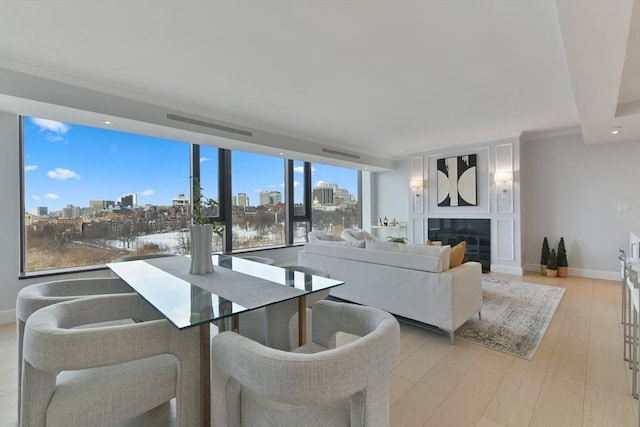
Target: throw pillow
x=324, y=236
x=357, y=234
x=457, y=254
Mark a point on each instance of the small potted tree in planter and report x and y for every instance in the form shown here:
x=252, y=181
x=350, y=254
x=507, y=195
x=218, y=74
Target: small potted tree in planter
x=544, y=257
x=552, y=264
x=563, y=264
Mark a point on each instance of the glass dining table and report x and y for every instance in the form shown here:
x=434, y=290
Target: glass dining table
x=235, y=286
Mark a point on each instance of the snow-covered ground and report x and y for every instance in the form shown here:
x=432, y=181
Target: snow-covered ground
x=172, y=241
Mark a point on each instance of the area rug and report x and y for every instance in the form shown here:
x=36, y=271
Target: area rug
x=515, y=316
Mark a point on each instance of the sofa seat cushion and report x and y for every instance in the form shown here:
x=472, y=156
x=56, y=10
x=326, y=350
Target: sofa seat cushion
x=434, y=264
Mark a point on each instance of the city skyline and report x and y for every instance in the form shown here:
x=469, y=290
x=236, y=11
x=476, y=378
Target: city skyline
x=70, y=164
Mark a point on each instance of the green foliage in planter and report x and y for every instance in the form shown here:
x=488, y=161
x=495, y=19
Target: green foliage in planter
x=203, y=209
x=552, y=262
x=562, y=254
x=397, y=239
x=544, y=257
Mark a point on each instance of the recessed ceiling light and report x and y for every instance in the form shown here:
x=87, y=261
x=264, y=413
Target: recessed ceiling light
x=616, y=130
x=106, y=122
x=282, y=154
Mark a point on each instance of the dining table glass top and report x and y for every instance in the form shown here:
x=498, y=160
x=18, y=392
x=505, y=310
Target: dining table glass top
x=236, y=285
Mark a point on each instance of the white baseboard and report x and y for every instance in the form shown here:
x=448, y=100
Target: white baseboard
x=507, y=269
x=582, y=272
x=7, y=316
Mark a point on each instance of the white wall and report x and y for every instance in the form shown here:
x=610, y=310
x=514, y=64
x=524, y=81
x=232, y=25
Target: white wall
x=573, y=190
x=392, y=194
x=562, y=187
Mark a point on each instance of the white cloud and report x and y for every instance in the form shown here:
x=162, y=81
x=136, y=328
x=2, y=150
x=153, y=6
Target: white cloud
x=51, y=196
x=53, y=126
x=55, y=138
x=295, y=183
x=147, y=192
x=29, y=168
x=35, y=197
x=204, y=159
x=320, y=183
x=62, y=174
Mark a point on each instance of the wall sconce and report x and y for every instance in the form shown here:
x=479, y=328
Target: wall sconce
x=503, y=179
x=417, y=186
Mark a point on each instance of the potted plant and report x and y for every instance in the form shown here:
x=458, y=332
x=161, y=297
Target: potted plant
x=544, y=257
x=397, y=239
x=201, y=231
x=563, y=265
x=552, y=264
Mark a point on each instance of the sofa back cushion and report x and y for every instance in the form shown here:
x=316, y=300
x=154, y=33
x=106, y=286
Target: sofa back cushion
x=440, y=253
x=434, y=264
x=342, y=243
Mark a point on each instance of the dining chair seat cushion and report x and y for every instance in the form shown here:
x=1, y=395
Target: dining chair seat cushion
x=117, y=388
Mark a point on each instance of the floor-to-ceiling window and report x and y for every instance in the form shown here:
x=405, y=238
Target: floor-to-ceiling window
x=258, y=197
x=334, y=198
x=92, y=195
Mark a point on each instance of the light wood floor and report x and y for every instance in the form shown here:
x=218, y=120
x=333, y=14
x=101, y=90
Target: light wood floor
x=576, y=378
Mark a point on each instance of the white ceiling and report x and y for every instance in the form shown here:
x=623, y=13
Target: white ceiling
x=383, y=78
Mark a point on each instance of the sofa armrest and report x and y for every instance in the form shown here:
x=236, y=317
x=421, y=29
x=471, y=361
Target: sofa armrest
x=466, y=284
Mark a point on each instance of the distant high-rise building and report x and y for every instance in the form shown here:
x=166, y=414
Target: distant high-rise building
x=128, y=200
x=341, y=195
x=243, y=200
x=40, y=211
x=324, y=195
x=180, y=200
x=71, y=212
x=101, y=204
x=234, y=201
x=270, y=198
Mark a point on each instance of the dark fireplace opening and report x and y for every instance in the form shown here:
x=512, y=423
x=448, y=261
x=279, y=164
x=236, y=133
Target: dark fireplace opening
x=476, y=232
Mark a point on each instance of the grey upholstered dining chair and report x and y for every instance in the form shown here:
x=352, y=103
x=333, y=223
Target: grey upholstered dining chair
x=319, y=384
x=78, y=374
x=34, y=297
x=270, y=325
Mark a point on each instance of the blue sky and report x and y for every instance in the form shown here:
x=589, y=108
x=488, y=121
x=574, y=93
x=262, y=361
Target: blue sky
x=72, y=164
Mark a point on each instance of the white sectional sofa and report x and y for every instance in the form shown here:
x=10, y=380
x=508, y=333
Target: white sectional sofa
x=405, y=280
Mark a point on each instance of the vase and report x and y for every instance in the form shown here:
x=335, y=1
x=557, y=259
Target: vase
x=562, y=271
x=551, y=273
x=543, y=269
x=201, y=235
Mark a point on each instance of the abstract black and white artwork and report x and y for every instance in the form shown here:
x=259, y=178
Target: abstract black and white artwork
x=457, y=183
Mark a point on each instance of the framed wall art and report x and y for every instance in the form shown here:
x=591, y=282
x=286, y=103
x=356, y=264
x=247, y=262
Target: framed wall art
x=457, y=181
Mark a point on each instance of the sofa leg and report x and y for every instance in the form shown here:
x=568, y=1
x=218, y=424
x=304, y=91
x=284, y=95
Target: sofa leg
x=479, y=316
x=452, y=337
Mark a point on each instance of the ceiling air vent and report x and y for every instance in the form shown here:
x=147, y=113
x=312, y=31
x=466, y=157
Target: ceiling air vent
x=340, y=153
x=208, y=125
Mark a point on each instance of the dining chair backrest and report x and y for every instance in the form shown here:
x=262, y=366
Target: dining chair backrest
x=77, y=372
x=318, y=385
x=34, y=297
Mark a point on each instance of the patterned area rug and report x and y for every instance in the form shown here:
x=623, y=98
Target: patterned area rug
x=515, y=316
